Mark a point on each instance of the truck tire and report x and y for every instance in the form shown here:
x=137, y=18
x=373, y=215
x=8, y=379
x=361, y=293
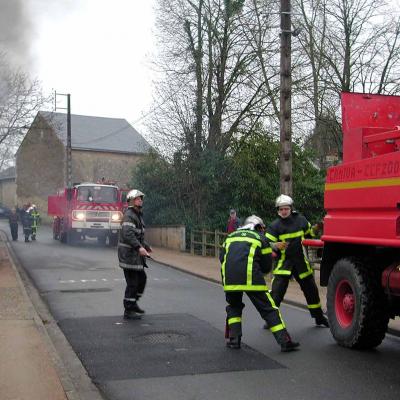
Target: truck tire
x=356, y=304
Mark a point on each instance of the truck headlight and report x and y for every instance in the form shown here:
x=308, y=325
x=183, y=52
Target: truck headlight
x=78, y=215
x=116, y=216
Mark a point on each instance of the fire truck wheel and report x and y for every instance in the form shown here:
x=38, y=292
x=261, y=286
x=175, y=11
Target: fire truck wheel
x=357, y=307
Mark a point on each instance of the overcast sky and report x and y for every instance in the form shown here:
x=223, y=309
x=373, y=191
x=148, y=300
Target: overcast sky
x=99, y=51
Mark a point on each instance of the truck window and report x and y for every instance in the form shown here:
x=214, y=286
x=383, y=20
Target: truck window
x=98, y=194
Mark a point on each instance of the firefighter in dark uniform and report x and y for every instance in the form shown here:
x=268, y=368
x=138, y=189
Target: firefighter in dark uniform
x=292, y=228
x=245, y=258
x=132, y=253
x=26, y=221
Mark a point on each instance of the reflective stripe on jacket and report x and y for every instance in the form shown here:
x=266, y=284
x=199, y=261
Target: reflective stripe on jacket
x=292, y=230
x=131, y=238
x=245, y=258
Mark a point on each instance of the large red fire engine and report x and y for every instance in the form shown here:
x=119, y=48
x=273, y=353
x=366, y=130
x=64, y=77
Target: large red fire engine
x=87, y=210
x=361, y=239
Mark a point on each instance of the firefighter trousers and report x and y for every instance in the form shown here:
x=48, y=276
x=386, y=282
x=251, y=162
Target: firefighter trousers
x=264, y=304
x=308, y=286
x=135, y=285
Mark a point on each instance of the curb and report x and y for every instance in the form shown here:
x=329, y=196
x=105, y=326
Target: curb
x=73, y=377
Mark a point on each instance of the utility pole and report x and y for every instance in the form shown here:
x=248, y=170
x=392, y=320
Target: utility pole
x=286, y=181
x=68, y=158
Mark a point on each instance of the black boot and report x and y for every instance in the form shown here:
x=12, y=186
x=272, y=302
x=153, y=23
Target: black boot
x=322, y=320
x=128, y=314
x=283, y=338
x=137, y=309
x=234, y=342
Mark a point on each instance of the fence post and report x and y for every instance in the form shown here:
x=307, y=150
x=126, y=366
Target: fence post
x=216, y=242
x=191, y=242
x=203, y=244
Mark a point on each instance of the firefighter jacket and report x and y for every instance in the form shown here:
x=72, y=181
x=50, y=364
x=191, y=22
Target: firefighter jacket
x=245, y=258
x=26, y=219
x=35, y=217
x=292, y=230
x=131, y=238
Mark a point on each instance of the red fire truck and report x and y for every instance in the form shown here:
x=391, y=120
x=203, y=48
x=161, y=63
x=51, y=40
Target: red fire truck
x=87, y=210
x=360, y=262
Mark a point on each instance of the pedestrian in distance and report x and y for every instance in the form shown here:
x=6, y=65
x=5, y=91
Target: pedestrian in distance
x=13, y=218
x=245, y=258
x=26, y=221
x=291, y=227
x=233, y=222
x=132, y=253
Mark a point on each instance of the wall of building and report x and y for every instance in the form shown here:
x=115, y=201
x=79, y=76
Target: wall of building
x=40, y=166
x=171, y=237
x=8, y=193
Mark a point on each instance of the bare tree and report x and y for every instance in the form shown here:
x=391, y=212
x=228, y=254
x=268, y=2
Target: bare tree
x=20, y=99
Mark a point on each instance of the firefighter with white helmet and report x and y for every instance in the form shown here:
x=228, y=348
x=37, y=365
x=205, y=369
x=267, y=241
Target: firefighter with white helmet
x=245, y=258
x=132, y=253
x=291, y=227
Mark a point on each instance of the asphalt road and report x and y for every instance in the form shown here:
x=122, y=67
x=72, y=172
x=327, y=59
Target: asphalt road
x=176, y=351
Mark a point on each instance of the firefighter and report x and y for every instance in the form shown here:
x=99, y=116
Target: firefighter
x=26, y=221
x=292, y=228
x=245, y=258
x=35, y=217
x=132, y=253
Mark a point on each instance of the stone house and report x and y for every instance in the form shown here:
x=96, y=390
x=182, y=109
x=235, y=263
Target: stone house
x=107, y=148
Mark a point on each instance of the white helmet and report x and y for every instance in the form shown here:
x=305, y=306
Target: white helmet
x=283, y=200
x=133, y=194
x=253, y=221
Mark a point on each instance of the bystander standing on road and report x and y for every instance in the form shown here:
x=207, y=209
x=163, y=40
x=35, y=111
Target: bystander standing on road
x=245, y=258
x=132, y=253
x=233, y=222
x=292, y=227
x=13, y=218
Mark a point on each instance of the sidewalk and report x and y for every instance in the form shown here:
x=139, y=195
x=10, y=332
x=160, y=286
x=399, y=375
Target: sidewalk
x=30, y=366
x=26, y=367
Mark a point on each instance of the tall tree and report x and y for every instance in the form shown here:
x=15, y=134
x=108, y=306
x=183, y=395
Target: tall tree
x=20, y=99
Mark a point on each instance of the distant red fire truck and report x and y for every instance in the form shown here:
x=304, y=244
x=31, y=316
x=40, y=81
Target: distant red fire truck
x=87, y=210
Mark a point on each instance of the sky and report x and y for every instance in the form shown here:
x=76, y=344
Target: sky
x=99, y=51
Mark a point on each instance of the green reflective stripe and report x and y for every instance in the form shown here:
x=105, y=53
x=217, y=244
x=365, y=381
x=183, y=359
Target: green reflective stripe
x=305, y=274
x=312, y=306
x=277, y=270
x=254, y=242
x=250, y=260
x=267, y=250
x=277, y=328
x=245, y=288
x=291, y=235
x=276, y=308
x=282, y=272
x=252, y=233
x=271, y=237
x=224, y=262
x=234, y=320
x=309, y=271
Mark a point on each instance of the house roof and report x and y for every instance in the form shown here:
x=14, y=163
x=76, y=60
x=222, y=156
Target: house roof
x=8, y=173
x=98, y=133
